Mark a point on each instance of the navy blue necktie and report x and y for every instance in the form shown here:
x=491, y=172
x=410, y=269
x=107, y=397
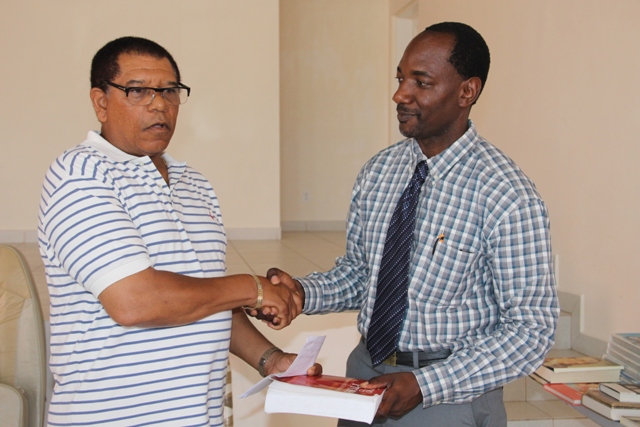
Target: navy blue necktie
x=393, y=279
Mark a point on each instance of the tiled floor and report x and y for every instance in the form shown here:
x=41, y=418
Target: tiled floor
x=300, y=253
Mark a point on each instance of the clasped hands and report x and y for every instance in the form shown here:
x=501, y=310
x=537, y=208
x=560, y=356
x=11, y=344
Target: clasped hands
x=283, y=299
x=403, y=392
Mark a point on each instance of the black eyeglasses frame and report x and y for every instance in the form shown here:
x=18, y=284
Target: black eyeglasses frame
x=162, y=90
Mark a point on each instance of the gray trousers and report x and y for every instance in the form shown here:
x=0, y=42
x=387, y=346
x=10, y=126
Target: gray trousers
x=485, y=411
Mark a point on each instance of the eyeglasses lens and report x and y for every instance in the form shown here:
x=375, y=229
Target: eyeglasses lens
x=145, y=96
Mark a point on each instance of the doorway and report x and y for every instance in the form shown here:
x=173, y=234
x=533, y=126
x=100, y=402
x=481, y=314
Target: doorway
x=404, y=27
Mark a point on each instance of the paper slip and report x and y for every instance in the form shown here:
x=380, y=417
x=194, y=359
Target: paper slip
x=305, y=359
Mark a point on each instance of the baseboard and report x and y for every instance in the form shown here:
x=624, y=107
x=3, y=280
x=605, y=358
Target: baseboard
x=314, y=226
x=273, y=233
x=18, y=236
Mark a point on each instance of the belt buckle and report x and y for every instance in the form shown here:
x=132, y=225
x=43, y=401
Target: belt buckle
x=391, y=360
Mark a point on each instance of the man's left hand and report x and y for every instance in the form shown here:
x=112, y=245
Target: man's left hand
x=402, y=395
x=280, y=362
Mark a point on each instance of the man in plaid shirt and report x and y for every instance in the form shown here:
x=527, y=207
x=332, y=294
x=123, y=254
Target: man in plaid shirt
x=481, y=300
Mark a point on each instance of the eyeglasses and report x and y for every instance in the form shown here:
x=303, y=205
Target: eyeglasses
x=145, y=95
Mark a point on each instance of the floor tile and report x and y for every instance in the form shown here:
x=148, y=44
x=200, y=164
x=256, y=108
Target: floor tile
x=557, y=409
x=515, y=391
x=524, y=411
x=530, y=423
x=581, y=422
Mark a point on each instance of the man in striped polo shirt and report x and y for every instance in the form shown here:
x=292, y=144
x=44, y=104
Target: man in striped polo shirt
x=142, y=315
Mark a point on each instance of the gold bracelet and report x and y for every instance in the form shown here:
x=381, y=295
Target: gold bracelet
x=260, y=294
x=263, y=359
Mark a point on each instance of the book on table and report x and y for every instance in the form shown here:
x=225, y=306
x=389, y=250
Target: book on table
x=622, y=392
x=570, y=392
x=609, y=407
x=629, y=340
x=627, y=377
x=628, y=374
x=325, y=396
x=537, y=378
x=630, y=421
x=623, y=356
x=632, y=358
x=579, y=369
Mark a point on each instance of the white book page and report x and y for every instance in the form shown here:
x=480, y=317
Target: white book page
x=305, y=359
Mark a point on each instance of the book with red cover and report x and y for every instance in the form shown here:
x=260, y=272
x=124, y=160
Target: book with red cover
x=323, y=395
x=571, y=392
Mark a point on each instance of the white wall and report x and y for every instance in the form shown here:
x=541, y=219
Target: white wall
x=333, y=85
x=229, y=130
x=561, y=100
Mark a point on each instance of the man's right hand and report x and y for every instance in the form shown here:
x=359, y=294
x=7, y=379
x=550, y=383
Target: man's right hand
x=269, y=314
x=280, y=305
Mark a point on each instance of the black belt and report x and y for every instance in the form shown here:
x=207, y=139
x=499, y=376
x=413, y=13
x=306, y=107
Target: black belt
x=416, y=359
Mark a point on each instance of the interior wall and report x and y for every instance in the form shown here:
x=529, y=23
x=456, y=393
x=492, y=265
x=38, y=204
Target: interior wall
x=229, y=130
x=333, y=98
x=561, y=100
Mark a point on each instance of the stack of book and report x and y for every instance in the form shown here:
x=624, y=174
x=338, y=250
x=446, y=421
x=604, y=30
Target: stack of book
x=579, y=369
x=614, y=401
x=624, y=349
x=569, y=378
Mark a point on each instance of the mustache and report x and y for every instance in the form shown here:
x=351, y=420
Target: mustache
x=158, y=123
x=405, y=110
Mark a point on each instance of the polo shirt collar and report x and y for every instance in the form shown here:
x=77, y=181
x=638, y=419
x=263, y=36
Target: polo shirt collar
x=95, y=140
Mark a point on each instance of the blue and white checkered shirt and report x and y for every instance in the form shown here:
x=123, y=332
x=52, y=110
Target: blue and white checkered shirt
x=486, y=291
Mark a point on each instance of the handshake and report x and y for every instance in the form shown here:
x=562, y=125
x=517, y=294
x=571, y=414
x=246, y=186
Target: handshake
x=282, y=301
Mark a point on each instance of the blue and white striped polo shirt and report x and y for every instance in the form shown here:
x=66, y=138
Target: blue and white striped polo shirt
x=105, y=215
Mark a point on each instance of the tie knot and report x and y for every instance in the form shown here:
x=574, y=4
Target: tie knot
x=422, y=170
